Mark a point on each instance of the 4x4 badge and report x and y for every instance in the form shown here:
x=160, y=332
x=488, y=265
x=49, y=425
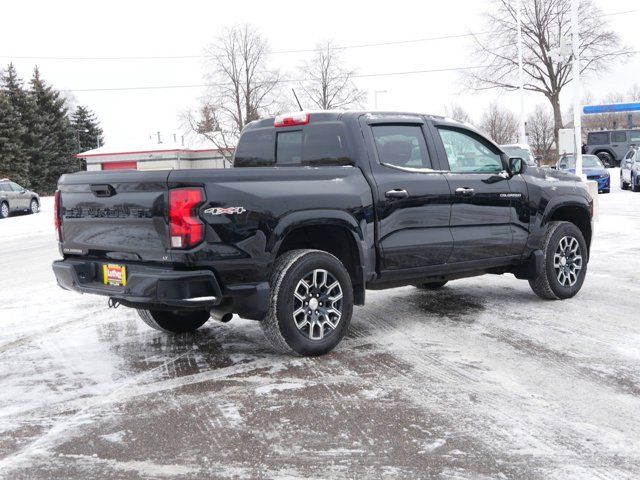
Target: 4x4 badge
x=225, y=210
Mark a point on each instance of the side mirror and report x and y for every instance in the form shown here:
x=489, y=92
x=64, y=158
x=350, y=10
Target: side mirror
x=516, y=166
x=554, y=167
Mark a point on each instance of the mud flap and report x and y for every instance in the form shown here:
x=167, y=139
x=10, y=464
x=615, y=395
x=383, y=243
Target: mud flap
x=531, y=268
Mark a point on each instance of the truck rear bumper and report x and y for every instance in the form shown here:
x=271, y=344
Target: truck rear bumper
x=144, y=286
x=152, y=287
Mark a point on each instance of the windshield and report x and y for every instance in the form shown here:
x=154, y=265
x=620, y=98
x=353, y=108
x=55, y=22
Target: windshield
x=588, y=161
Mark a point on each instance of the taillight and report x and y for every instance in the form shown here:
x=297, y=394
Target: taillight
x=56, y=214
x=186, y=229
x=291, y=119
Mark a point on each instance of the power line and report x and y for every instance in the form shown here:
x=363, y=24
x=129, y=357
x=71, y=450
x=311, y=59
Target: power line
x=276, y=52
x=289, y=80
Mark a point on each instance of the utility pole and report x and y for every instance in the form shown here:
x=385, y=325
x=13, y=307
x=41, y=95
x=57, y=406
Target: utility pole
x=577, y=117
x=522, y=134
x=375, y=98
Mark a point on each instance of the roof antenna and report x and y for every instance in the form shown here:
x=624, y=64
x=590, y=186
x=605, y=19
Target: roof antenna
x=298, y=101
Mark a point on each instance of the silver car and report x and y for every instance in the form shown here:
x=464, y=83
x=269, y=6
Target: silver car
x=14, y=198
x=630, y=170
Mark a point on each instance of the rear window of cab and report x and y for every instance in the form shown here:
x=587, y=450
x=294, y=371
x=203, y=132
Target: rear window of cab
x=311, y=145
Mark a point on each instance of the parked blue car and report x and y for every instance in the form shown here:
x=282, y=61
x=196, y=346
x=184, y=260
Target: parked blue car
x=592, y=167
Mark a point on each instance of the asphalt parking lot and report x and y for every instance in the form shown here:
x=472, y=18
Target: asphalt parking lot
x=481, y=380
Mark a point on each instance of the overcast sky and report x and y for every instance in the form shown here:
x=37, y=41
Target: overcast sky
x=118, y=28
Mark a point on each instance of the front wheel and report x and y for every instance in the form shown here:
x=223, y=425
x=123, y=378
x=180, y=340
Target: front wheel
x=174, y=321
x=565, y=262
x=623, y=185
x=634, y=184
x=34, y=207
x=311, y=303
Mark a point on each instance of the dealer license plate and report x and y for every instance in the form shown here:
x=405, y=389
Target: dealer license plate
x=115, y=275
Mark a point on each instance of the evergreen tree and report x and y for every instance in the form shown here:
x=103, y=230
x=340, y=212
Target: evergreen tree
x=87, y=129
x=18, y=109
x=14, y=162
x=55, y=136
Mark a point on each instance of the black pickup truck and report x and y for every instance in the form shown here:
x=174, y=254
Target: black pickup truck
x=319, y=208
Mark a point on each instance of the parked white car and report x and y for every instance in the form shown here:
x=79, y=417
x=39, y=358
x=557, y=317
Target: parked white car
x=520, y=150
x=630, y=170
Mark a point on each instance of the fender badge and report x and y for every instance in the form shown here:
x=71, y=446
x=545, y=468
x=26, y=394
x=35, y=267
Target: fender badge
x=224, y=210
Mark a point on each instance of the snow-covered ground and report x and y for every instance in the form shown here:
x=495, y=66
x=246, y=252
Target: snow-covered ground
x=479, y=380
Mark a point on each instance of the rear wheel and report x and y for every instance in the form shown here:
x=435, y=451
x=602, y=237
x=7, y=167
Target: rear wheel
x=431, y=285
x=174, y=321
x=4, y=210
x=606, y=159
x=565, y=262
x=311, y=303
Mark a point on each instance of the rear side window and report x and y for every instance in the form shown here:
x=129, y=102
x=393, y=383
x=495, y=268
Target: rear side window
x=319, y=144
x=598, y=138
x=618, y=137
x=4, y=187
x=255, y=149
x=401, y=146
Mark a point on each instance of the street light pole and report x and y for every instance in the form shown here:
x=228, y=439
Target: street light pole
x=522, y=134
x=375, y=98
x=577, y=117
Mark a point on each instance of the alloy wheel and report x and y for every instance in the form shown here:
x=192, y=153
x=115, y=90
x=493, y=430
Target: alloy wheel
x=5, y=210
x=317, y=304
x=567, y=261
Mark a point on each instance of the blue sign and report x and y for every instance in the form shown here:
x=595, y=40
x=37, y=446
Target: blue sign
x=612, y=108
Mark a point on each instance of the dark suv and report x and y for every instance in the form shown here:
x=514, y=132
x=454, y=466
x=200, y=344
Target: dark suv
x=611, y=145
x=14, y=198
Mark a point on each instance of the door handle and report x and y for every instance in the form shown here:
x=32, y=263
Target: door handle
x=397, y=193
x=465, y=192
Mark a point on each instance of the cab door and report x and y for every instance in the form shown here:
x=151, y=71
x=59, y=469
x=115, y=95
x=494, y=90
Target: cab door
x=412, y=195
x=481, y=197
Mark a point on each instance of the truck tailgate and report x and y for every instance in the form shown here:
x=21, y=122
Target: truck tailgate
x=120, y=215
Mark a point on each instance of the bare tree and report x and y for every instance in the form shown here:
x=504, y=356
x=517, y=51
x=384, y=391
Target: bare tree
x=540, y=131
x=327, y=83
x=499, y=124
x=545, y=23
x=456, y=112
x=242, y=87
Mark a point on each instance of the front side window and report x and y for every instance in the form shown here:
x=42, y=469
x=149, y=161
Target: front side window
x=401, y=146
x=634, y=136
x=618, y=137
x=15, y=187
x=598, y=138
x=467, y=154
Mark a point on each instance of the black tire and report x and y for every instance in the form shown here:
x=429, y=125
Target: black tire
x=34, y=206
x=623, y=185
x=548, y=284
x=606, y=159
x=293, y=282
x=4, y=210
x=431, y=285
x=606, y=190
x=634, y=185
x=174, y=321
